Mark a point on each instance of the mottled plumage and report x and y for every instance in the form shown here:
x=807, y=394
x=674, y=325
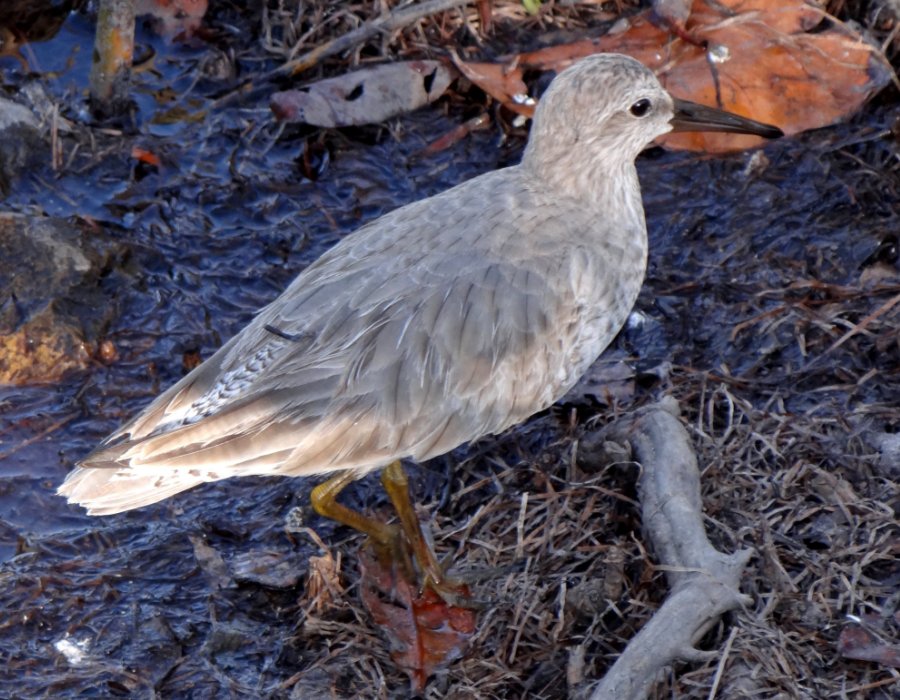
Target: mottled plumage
x=445, y=320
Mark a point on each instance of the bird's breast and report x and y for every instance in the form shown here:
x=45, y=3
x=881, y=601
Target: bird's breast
x=606, y=280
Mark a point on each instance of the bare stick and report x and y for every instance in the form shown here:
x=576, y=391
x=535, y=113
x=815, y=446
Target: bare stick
x=113, y=51
x=386, y=23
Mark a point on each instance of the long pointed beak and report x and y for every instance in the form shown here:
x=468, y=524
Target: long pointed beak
x=689, y=116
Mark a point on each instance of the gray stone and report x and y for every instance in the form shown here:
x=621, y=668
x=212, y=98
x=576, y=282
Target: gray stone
x=52, y=309
x=22, y=143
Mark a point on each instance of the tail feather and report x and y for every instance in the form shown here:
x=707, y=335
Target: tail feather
x=108, y=491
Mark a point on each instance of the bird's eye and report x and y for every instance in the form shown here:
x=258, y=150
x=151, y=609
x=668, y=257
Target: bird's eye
x=640, y=108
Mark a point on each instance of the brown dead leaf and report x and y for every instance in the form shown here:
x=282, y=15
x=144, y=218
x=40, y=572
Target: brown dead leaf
x=831, y=487
x=787, y=17
x=762, y=60
x=211, y=563
x=858, y=642
x=367, y=96
x=797, y=81
x=323, y=584
x=425, y=633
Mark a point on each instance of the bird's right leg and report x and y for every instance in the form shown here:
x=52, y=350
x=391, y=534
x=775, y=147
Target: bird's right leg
x=386, y=538
x=452, y=591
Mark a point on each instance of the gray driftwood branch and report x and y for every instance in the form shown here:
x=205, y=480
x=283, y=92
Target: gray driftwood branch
x=704, y=582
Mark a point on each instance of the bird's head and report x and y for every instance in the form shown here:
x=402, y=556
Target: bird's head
x=605, y=109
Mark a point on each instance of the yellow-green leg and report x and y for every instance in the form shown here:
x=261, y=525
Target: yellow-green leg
x=324, y=501
x=386, y=539
x=389, y=539
x=395, y=483
x=393, y=477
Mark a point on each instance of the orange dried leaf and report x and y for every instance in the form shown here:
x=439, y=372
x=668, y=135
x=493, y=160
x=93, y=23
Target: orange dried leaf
x=785, y=17
x=425, y=633
x=502, y=83
x=756, y=58
x=797, y=81
x=456, y=135
x=561, y=56
x=145, y=156
x=323, y=583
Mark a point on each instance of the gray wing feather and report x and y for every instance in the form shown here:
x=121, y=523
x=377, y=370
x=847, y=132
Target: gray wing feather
x=403, y=340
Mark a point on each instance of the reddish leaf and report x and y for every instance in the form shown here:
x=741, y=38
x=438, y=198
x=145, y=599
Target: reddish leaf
x=797, y=81
x=503, y=83
x=456, y=134
x=787, y=17
x=425, y=633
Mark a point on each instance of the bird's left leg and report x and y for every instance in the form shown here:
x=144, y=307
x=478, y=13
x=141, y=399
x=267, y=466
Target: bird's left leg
x=396, y=484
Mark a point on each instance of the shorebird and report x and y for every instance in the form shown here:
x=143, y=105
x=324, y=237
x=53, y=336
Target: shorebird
x=447, y=319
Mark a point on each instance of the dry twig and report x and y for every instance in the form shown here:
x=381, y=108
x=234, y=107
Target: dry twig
x=388, y=22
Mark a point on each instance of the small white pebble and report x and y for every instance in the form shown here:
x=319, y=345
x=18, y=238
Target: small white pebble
x=523, y=99
x=74, y=650
x=636, y=320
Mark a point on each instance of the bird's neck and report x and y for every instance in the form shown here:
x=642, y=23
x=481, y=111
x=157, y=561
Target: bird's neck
x=610, y=187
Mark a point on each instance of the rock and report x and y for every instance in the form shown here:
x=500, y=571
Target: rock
x=52, y=308
x=888, y=444
x=21, y=141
